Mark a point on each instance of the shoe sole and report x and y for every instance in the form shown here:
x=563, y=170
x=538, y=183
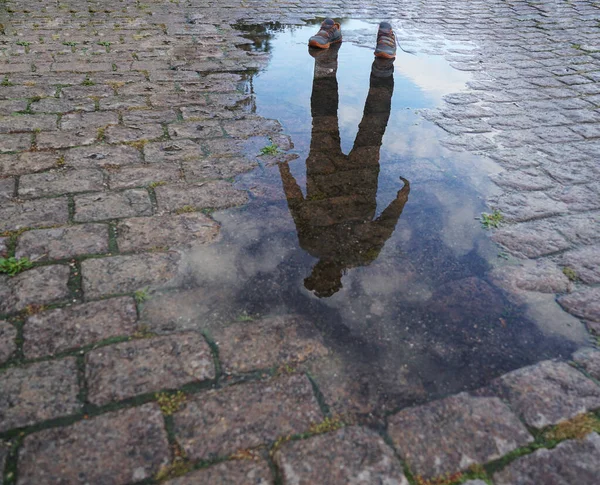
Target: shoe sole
x=314, y=43
x=383, y=55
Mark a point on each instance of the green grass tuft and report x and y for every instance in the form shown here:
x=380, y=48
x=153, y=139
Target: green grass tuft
x=492, y=220
x=13, y=266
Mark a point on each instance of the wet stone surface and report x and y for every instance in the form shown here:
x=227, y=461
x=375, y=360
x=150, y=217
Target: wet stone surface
x=38, y=392
x=576, y=461
x=229, y=473
x=366, y=224
x=8, y=345
x=142, y=366
x=63, y=329
x=120, y=447
x=455, y=433
x=589, y=360
x=547, y=393
x=351, y=454
x=63, y=242
x=125, y=274
x=37, y=286
x=255, y=345
x=219, y=423
x=166, y=231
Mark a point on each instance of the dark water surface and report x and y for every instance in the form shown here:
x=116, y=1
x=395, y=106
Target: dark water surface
x=370, y=234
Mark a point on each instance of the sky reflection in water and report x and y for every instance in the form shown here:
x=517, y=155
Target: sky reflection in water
x=370, y=234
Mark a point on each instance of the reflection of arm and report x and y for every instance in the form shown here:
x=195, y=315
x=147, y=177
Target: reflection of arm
x=293, y=194
x=389, y=217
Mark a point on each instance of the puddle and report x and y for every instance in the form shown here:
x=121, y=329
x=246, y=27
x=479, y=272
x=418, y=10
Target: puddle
x=370, y=234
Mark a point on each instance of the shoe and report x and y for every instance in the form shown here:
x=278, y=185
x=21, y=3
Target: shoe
x=330, y=33
x=386, y=42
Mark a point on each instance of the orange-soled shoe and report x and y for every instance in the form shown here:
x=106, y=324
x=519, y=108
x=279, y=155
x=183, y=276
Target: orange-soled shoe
x=330, y=33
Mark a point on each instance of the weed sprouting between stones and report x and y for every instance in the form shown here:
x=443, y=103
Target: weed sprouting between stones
x=141, y=295
x=170, y=403
x=492, y=220
x=269, y=150
x=185, y=209
x=570, y=273
x=576, y=428
x=13, y=266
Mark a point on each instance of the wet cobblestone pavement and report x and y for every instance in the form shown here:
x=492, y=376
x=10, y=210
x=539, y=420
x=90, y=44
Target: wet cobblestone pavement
x=123, y=127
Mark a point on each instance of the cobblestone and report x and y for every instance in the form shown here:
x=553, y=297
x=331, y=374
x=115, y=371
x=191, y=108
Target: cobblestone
x=547, y=393
x=589, y=360
x=59, y=330
x=58, y=182
x=120, y=447
x=166, y=231
x=148, y=365
x=213, y=195
x=576, y=461
x=350, y=455
x=111, y=205
x=125, y=274
x=452, y=434
x=8, y=344
x=37, y=286
x=76, y=113
x=33, y=213
x=38, y=392
x=63, y=242
x=219, y=423
x=268, y=342
x=229, y=473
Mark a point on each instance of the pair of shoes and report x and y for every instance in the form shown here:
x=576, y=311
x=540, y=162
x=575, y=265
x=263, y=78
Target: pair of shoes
x=331, y=33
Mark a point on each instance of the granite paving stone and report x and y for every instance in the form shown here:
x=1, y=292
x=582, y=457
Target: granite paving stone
x=547, y=393
x=33, y=213
x=585, y=262
x=221, y=422
x=215, y=195
x=3, y=455
x=170, y=231
x=27, y=162
x=452, y=434
x=63, y=242
x=111, y=205
x=239, y=472
x=8, y=344
x=574, y=461
x=589, y=359
x=59, y=182
x=15, y=142
x=130, y=177
x=349, y=455
x=215, y=168
x=173, y=151
x=584, y=303
x=102, y=156
x=7, y=188
x=125, y=274
x=116, y=448
x=36, y=286
x=120, y=134
x=62, y=329
x=195, y=130
x=4, y=246
x=519, y=207
x=38, y=392
x=12, y=124
x=127, y=369
x=267, y=342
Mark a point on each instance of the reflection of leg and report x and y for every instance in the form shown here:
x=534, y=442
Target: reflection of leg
x=378, y=105
x=325, y=138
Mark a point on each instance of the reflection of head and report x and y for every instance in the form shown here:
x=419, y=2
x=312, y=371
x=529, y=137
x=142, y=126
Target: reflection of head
x=325, y=279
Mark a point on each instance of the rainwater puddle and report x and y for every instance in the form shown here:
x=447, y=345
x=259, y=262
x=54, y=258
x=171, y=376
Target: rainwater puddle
x=370, y=234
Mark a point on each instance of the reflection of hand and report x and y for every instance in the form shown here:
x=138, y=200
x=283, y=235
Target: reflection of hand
x=404, y=191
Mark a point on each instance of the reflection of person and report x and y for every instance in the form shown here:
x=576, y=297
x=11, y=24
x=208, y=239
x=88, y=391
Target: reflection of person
x=336, y=220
